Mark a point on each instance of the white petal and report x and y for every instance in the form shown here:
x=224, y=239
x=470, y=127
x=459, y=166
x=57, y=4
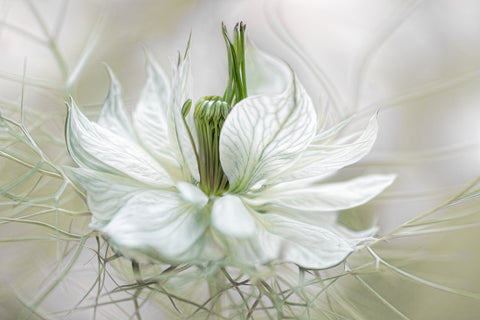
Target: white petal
x=151, y=115
x=330, y=196
x=113, y=115
x=321, y=160
x=356, y=238
x=324, y=218
x=326, y=136
x=264, y=134
x=97, y=148
x=232, y=218
x=192, y=194
x=306, y=245
x=159, y=224
x=265, y=74
x=180, y=94
x=106, y=193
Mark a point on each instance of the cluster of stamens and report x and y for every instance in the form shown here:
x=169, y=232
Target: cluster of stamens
x=210, y=114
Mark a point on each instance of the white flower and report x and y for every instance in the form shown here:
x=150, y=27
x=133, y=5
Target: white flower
x=171, y=186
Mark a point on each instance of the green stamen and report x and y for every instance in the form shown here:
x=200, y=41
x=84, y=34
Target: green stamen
x=210, y=114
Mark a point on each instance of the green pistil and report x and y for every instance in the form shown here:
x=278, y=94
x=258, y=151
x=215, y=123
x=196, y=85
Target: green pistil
x=236, y=89
x=210, y=114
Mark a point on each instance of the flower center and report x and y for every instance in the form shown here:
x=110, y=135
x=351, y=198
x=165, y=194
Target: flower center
x=211, y=112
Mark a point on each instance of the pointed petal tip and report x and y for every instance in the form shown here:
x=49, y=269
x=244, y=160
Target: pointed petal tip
x=74, y=111
x=388, y=178
x=71, y=104
x=148, y=56
x=111, y=74
x=150, y=59
x=69, y=101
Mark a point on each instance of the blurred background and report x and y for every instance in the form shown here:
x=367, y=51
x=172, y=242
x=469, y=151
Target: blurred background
x=416, y=63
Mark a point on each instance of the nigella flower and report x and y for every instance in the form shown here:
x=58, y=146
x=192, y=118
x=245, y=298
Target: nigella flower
x=237, y=178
